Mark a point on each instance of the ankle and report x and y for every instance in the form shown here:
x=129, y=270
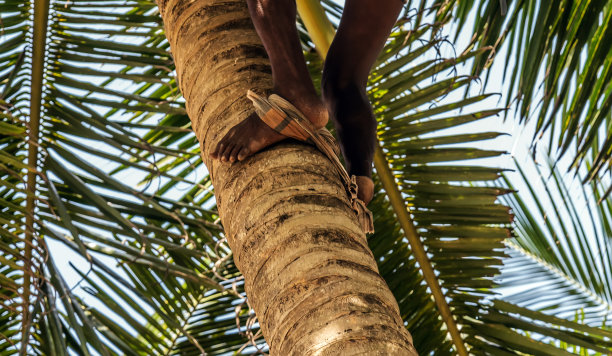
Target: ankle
x=365, y=190
x=294, y=90
x=305, y=100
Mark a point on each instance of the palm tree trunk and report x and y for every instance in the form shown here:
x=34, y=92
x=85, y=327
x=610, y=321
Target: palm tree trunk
x=309, y=273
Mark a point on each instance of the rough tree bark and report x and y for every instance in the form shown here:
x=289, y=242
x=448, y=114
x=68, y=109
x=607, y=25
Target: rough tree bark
x=309, y=273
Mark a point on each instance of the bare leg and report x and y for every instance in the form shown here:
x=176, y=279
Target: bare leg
x=274, y=21
x=362, y=33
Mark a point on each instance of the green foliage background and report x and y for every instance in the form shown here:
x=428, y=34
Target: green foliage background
x=121, y=184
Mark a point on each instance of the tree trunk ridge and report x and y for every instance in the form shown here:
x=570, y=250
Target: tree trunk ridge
x=309, y=273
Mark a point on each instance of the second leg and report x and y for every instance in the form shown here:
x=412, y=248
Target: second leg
x=362, y=33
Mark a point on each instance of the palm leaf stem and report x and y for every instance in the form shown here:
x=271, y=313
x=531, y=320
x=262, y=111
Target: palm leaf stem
x=41, y=15
x=322, y=32
x=318, y=25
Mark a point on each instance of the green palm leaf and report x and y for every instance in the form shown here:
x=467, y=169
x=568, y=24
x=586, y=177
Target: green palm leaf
x=564, y=245
x=93, y=114
x=464, y=237
x=564, y=45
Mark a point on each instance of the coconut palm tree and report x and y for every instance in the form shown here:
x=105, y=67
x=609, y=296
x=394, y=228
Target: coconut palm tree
x=99, y=156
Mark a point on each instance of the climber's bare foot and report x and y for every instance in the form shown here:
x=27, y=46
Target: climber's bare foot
x=365, y=189
x=253, y=135
x=244, y=139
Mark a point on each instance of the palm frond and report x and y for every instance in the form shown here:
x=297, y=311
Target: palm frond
x=564, y=45
x=563, y=245
x=462, y=228
x=12, y=216
x=461, y=238
x=108, y=80
x=415, y=156
x=503, y=328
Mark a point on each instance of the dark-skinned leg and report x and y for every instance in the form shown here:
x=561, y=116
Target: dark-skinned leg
x=274, y=21
x=362, y=33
